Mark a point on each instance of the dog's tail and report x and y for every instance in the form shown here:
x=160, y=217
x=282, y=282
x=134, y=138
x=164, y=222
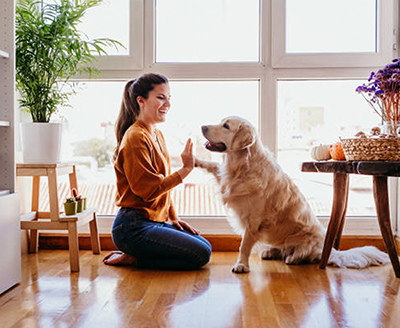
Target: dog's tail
x=358, y=258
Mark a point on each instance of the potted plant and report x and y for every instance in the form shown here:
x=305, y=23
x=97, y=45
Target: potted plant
x=50, y=49
x=70, y=206
x=81, y=201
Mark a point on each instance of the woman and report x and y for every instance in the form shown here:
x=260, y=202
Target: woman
x=147, y=230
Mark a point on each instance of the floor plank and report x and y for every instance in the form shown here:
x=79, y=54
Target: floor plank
x=271, y=295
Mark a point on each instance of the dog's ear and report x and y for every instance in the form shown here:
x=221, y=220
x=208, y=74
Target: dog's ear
x=243, y=138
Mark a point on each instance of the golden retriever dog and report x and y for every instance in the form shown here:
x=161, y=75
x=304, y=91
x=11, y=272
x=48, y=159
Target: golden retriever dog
x=268, y=206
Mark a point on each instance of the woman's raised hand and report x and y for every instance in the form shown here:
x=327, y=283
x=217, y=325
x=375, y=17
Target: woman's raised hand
x=187, y=159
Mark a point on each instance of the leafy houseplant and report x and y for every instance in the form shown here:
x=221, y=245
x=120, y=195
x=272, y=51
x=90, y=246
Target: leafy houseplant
x=50, y=49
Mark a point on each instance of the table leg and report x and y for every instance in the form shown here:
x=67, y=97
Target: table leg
x=94, y=235
x=53, y=194
x=35, y=194
x=73, y=246
x=34, y=234
x=33, y=241
x=346, y=197
x=340, y=185
x=382, y=209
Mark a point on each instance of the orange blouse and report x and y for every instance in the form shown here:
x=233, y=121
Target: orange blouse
x=143, y=170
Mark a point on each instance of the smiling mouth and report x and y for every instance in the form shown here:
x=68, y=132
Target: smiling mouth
x=215, y=146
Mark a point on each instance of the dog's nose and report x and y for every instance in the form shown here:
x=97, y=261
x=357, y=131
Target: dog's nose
x=204, y=128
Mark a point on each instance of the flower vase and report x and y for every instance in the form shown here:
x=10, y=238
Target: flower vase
x=391, y=128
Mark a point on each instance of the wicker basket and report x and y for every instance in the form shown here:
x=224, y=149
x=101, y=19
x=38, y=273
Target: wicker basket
x=371, y=149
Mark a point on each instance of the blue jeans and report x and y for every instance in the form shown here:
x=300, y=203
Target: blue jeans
x=158, y=245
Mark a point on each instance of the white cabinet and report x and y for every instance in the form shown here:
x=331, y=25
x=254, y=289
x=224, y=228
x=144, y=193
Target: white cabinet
x=10, y=245
x=10, y=241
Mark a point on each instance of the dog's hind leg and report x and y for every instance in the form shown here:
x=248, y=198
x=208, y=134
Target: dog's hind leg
x=242, y=264
x=272, y=253
x=210, y=167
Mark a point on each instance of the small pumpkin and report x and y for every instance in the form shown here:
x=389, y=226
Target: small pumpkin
x=337, y=152
x=321, y=152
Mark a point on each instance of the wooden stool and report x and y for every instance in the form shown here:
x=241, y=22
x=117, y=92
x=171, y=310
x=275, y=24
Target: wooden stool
x=54, y=220
x=379, y=170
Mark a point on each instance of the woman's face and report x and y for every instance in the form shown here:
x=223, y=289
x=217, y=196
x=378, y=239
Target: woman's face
x=154, y=109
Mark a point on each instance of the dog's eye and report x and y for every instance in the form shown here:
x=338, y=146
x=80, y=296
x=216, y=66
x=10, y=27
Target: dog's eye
x=226, y=126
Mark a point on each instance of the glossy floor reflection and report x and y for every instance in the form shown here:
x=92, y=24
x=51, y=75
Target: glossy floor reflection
x=271, y=295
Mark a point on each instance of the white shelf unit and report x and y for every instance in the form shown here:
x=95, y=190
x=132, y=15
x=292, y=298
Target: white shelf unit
x=7, y=83
x=10, y=235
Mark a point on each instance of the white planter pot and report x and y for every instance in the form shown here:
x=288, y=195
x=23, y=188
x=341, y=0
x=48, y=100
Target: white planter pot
x=41, y=142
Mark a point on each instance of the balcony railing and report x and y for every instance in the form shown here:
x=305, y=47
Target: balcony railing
x=188, y=199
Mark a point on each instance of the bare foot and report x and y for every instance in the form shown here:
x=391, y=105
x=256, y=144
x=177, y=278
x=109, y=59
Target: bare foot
x=119, y=258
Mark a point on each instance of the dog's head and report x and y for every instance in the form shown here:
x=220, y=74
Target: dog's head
x=232, y=134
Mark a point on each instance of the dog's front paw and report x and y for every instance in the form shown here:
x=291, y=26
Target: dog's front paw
x=291, y=260
x=271, y=254
x=240, y=268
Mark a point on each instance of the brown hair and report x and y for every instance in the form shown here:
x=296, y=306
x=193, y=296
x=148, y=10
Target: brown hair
x=130, y=108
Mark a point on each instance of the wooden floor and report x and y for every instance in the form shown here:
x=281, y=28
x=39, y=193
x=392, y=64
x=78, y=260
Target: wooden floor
x=271, y=295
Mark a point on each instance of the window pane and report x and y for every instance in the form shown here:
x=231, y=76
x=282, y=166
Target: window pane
x=207, y=30
x=314, y=112
x=88, y=139
x=109, y=20
x=323, y=26
x=194, y=104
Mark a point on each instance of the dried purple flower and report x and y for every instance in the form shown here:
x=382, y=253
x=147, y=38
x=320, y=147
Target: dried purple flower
x=382, y=91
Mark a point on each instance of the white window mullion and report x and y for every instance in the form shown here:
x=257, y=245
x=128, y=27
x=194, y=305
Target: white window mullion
x=268, y=105
x=149, y=34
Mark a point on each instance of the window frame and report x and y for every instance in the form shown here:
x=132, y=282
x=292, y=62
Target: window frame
x=134, y=60
x=271, y=68
x=386, y=40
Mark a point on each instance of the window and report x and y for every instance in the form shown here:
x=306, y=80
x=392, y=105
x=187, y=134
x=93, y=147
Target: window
x=89, y=140
x=207, y=31
x=318, y=112
x=121, y=20
x=314, y=26
x=196, y=103
x=114, y=17
x=288, y=70
x=312, y=33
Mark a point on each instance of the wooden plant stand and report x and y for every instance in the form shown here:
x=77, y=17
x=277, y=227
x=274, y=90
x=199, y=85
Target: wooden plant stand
x=54, y=220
